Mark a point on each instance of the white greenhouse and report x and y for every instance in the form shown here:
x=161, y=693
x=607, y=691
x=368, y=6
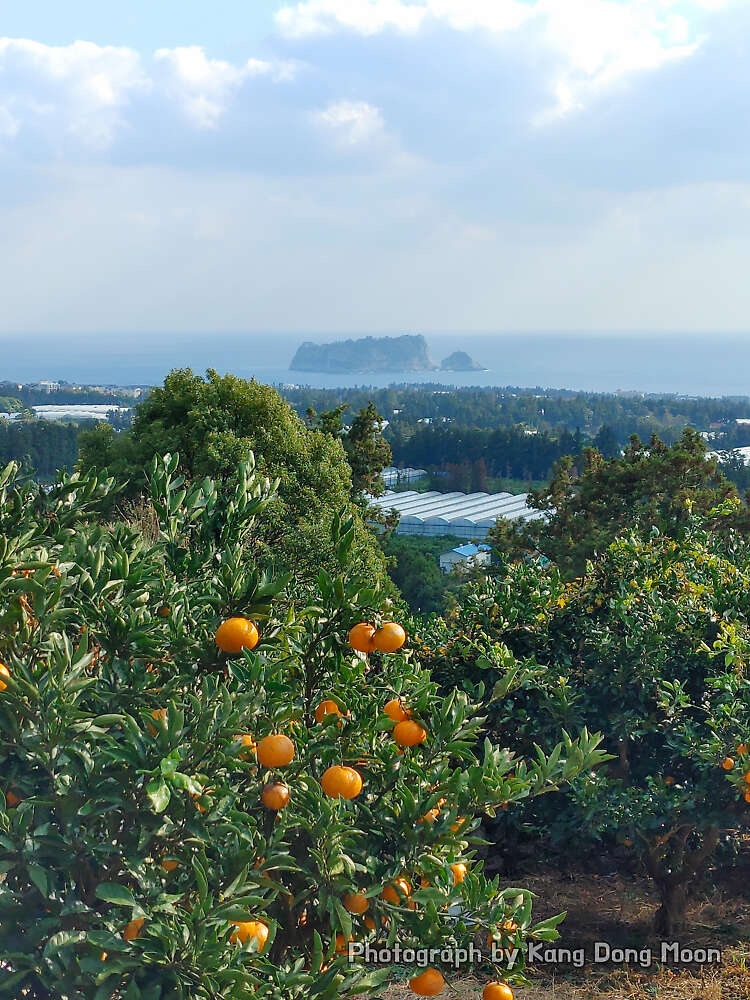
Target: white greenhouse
x=466, y=515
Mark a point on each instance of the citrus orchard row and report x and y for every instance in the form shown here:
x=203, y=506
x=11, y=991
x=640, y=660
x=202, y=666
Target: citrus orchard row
x=211, y=801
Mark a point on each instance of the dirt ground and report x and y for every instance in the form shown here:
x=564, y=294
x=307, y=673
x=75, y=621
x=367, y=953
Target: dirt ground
x=618, y=909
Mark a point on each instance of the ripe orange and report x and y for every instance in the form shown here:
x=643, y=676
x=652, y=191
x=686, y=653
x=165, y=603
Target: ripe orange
x=389, y=638
x=133, y=929
x=341, y=782
x=429, y=984
x=327, y=707
x=164, y=611
x=747, y=777
x=4, y=672
x=409, y=733
x=460, y=821
x=275, y=750
x=254, y=932
x=746, y=796
x=459, y=872
x=395, y=710
x=390, y=892
x=169, y=864
x=356, y=902
x=360, y=637
x=12, y=799
x=669, y=780
x=341, y=944
x=742, y=748
x=369, y=923
x=160, y=714
x=275, y=795
x=727, y=763
x=236, y=634
x=497, y=991
x=247, y=741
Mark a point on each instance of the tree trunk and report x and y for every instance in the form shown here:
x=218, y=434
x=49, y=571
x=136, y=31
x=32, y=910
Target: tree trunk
x=674, y=869
x=671, y=914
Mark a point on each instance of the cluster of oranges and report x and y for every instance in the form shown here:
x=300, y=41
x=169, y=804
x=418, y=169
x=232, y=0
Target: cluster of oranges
x=728, y=765
x=365, y=638
x=406, y=732
x=276, y=751
x=431, y=983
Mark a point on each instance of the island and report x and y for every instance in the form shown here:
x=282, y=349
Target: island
x=408, y=353
x=460, y=361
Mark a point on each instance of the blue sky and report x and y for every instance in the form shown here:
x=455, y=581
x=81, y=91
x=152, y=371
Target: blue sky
x=352, y=165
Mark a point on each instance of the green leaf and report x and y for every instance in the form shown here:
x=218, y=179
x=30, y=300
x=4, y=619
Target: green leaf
x=116, y=894
x=159, y=794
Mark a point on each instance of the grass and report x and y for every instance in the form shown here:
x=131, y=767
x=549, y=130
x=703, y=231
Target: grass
x=619, y=908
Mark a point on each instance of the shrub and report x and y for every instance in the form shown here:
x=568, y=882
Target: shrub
x=652, y=646
x=164, y=831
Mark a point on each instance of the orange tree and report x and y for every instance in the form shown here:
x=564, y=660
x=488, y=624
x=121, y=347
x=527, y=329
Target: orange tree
x=652, y=646
x=202, y=798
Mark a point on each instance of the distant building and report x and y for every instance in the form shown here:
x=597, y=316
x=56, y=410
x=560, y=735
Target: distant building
x=393, y=476
x=465, y=557
x=48, y=386
x=78, y=411
x=464, y=515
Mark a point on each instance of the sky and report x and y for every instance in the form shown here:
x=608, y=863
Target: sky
x=374, y=165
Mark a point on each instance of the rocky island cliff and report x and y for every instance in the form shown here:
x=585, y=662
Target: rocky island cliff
x=408, y=353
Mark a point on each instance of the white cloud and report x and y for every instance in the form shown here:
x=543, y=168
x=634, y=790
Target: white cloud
x=77, y=90
x=204, y=87
x=83, y=93
x=598, y=41
x=351, y=123
x=367, y=17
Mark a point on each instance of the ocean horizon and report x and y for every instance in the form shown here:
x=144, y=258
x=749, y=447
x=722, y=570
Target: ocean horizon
x=691, y=363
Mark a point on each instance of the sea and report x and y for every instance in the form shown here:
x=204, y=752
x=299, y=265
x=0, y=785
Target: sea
x=693, y=364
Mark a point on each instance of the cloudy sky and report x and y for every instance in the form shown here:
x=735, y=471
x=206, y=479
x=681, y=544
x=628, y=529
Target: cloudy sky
x=351, y=165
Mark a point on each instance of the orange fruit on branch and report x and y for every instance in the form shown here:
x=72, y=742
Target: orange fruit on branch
x=391, y=892
x=356, y=902
x=169, y=864
x=389, y=638
x=727, y=763
x=275, y=750
x=341, y=944
x=430, y=983
x=133, y=928
x=395, y=710
x=164, y=611
x=409, y=733
x=497, y=991
x=327, y=707
x=275, y=795
x=341, y=782
x=160, y=714
x=4, y=672
x=361, y=636
x=12, y=799
x=742, y=748
x=460, y=872
x=236, y=634
x=253, y=932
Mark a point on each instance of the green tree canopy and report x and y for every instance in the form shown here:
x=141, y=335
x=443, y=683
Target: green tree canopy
x=366, y=449
x=647, y=486
x=214, y=424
